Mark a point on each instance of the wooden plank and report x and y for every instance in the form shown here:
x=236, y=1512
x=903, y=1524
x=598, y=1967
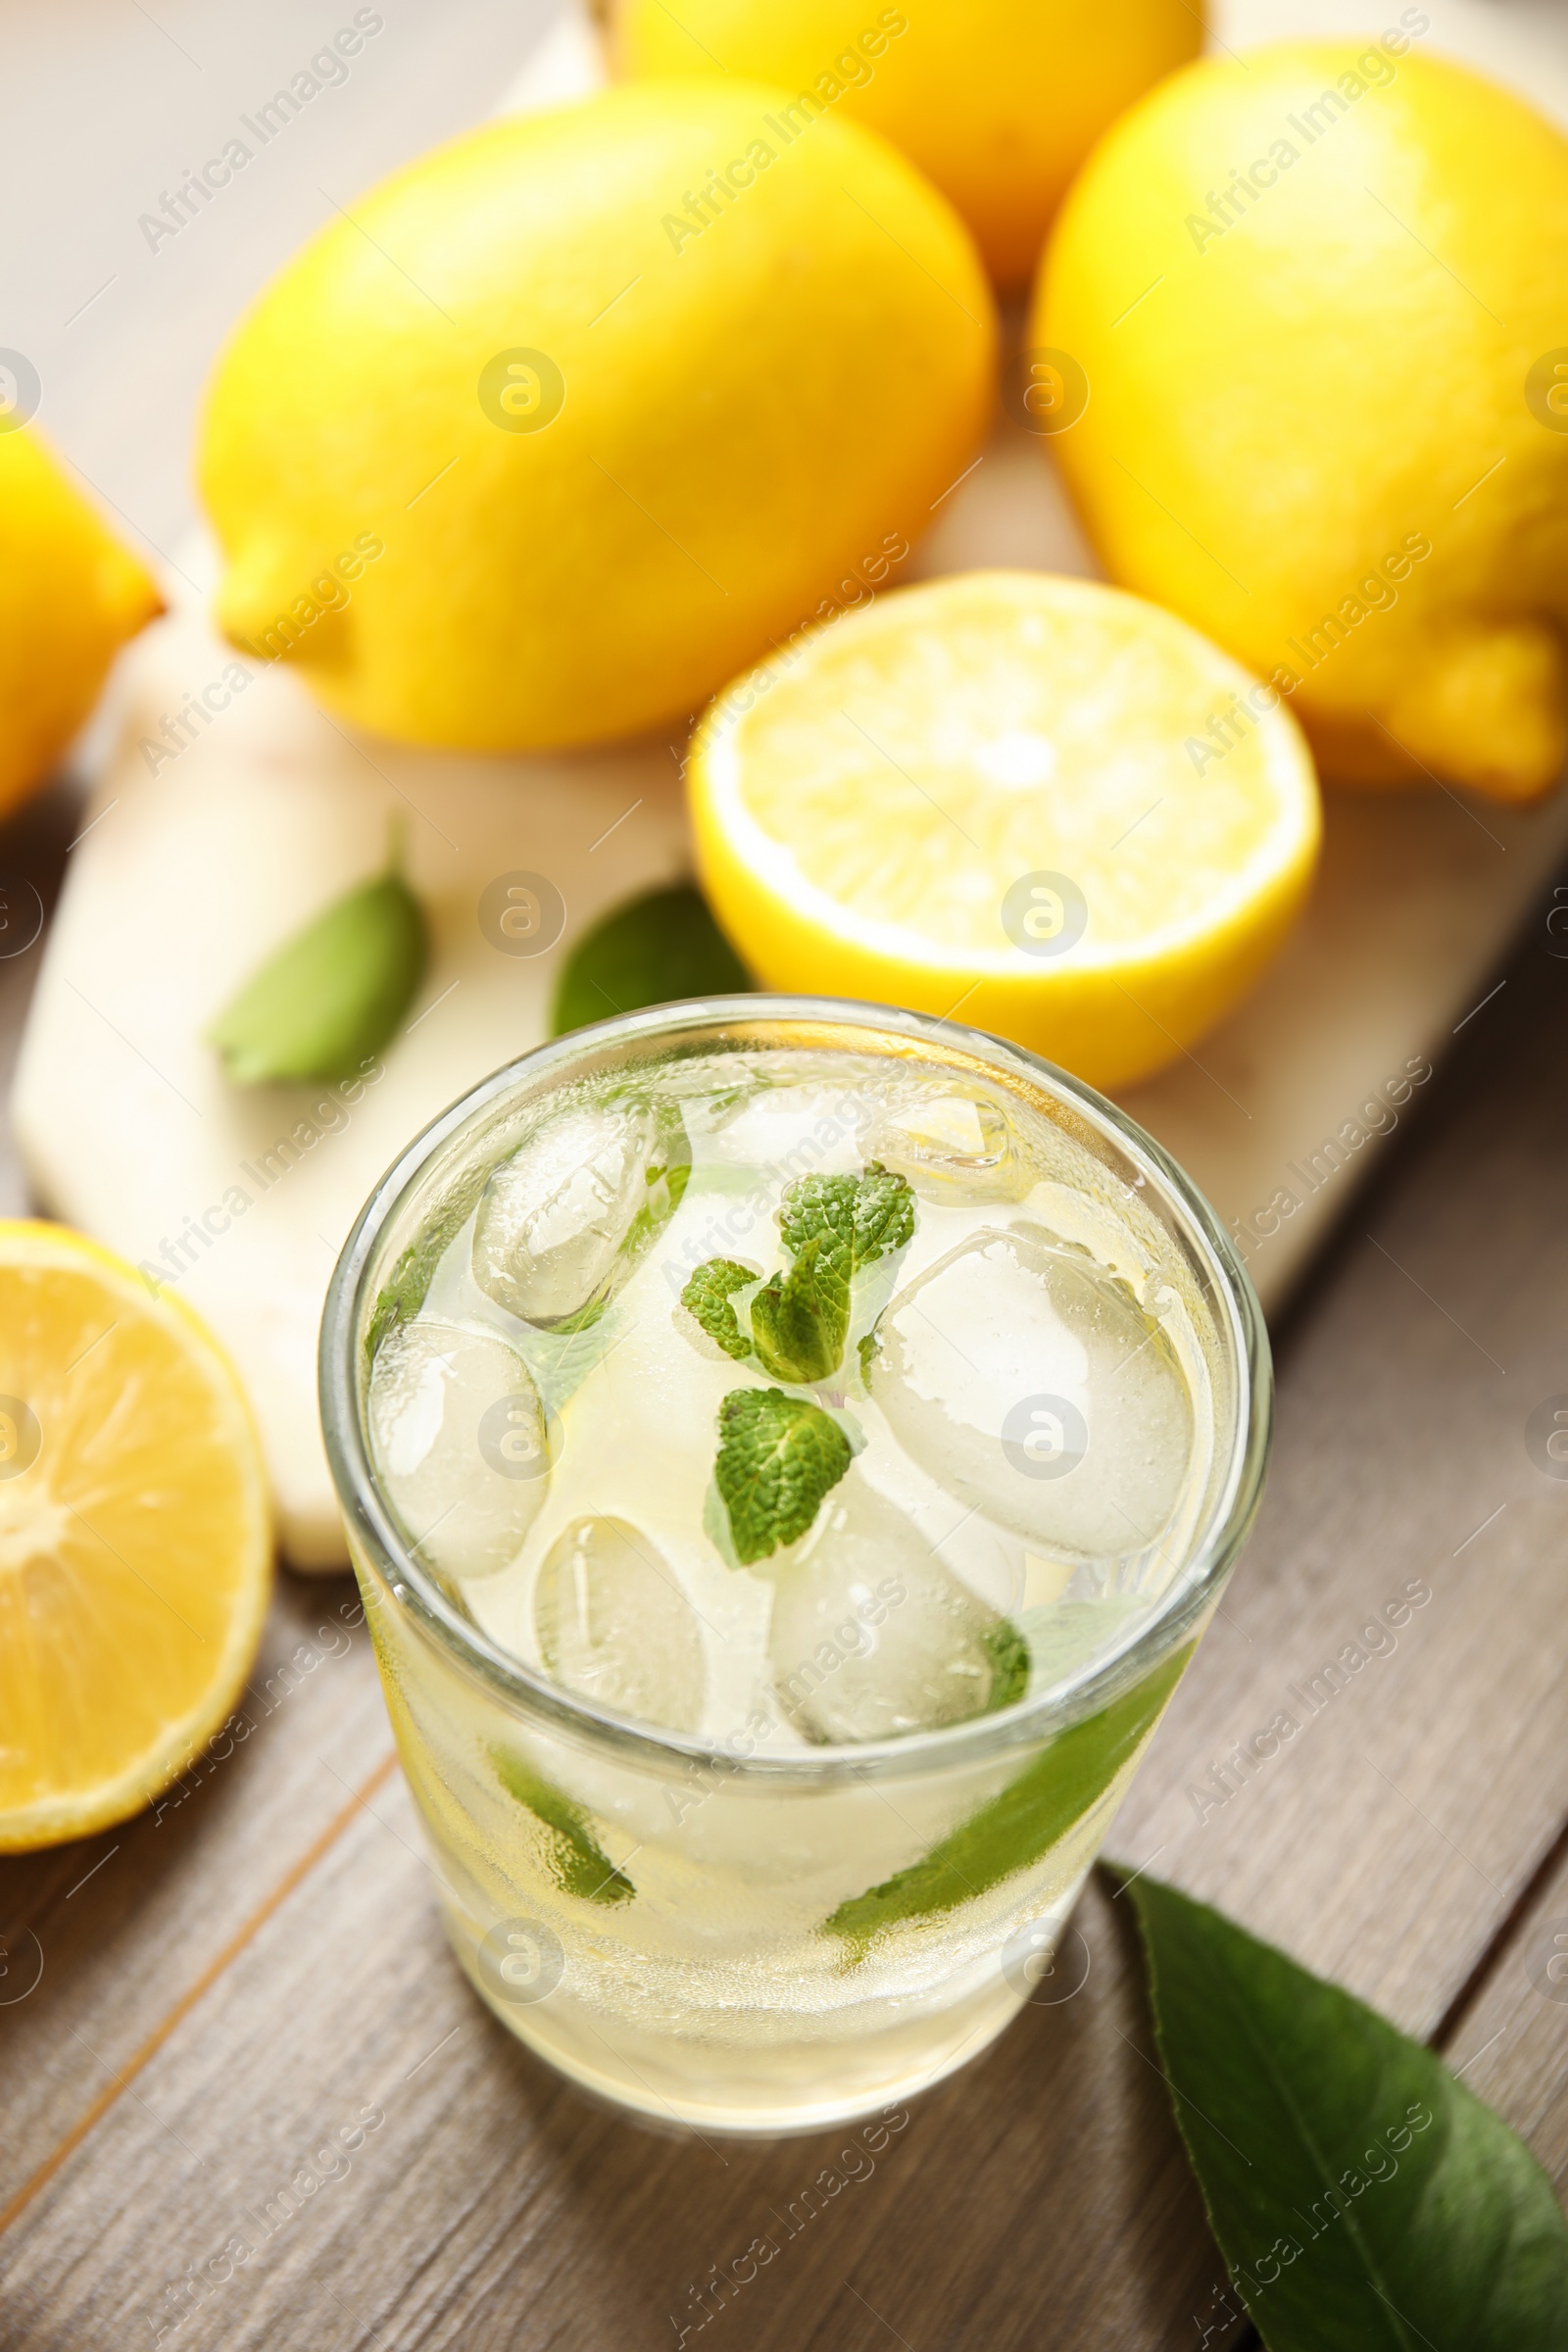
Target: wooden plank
x=1040, y=2196
x=1388, y=1837
x=117, y=1928
x=493, y=2207
x=1510, y=2040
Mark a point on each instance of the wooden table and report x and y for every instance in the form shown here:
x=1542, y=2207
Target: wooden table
x=193, y=2004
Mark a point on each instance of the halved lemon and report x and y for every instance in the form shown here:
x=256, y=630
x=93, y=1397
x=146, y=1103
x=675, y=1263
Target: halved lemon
x=135, y=1537
x=1037, y=806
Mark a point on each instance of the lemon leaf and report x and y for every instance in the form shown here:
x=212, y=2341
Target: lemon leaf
x=653, y=950
x=1363, y=2198
x=329, y=998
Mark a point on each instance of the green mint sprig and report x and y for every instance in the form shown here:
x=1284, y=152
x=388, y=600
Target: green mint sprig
x=833, y=1228
x=777, y=1459
x=861, y=1219
x=1014, y=1829
x=574, y=1857
x=707, y=1297
x=800, y=1318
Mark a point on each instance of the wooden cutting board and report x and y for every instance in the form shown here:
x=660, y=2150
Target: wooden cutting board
x=187, y=877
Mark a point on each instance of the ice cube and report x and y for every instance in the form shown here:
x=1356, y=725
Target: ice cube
x=873, y=1636
x=1030, y=1382
x=460, y=1441
x=562, y=1223
x=952, y=1147
x=614, y=1625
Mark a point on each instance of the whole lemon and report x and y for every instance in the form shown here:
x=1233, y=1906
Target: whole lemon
x=1303, y=330
x=558, y=427
x=69, y=597
x=998, y=99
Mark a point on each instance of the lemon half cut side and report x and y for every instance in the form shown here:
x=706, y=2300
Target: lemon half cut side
x=1039, y=805
x=135, y=1540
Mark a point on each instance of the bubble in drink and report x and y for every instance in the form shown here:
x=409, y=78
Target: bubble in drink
x=452, y=1414
x=562, y=1222
x=614, y=1625
x=1028, y=1380
x=872, y=1635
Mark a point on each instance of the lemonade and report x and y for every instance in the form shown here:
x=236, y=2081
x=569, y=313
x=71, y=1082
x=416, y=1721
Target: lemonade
x=788, y=1452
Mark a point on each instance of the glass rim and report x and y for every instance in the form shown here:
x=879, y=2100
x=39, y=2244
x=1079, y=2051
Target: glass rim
x=1026, y=1725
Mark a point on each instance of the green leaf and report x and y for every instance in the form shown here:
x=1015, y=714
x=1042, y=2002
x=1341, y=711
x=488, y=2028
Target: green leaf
x=578, y=1863
x=1363, y=2198
x=777, y=1457
x=1008, y=1652
x=707, y=1296
x=329, y=998
x=653, y=950
x=860, y=1218
x=833, y=1227
x=798, y=1319
x=1014, y=1829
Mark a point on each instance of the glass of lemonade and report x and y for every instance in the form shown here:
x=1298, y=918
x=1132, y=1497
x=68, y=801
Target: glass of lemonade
x=789, y=1450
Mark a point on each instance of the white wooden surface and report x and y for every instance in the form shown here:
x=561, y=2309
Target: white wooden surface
x=189, y=876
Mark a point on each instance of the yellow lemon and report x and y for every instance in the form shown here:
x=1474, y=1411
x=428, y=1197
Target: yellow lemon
x=560, y=426
x=1317, y=300
x=136, y=1548
x=975, y=799
x=998, y=99
x=69, y=597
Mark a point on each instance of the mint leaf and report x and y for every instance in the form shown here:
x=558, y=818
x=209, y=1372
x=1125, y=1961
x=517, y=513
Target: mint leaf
x=652, y=951
x=1008, y=1652
x=1365, y=2200
x=1021, y=1823
x=577, y=1862
x=707, y=1297
x=327, y=1000
x=884, y=1216
x=777, y=1457
x=798, y=1319
x=860, y=1218
x=833, y=1226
